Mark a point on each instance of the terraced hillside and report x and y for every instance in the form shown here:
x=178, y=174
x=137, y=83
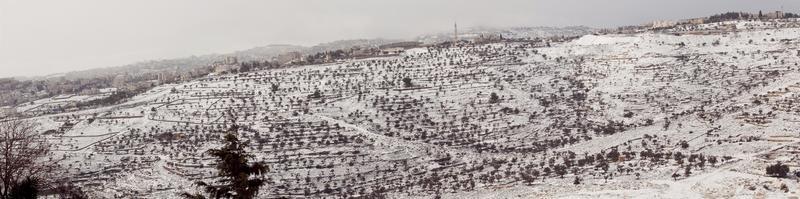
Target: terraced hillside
x=692, y=111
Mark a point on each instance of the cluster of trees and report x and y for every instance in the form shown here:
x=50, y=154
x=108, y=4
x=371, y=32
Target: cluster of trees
x=777, y=170
x=328, y=56
x=24, y=172
x=114, y=98
x=729, y=16
x=248, y=66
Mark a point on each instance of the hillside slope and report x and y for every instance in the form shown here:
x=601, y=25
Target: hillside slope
x=645, y=115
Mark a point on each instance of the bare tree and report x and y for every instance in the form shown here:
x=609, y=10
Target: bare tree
x=21, y=149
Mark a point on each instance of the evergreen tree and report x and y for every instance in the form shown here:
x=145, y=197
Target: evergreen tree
x=238, y=178
x=27, y=189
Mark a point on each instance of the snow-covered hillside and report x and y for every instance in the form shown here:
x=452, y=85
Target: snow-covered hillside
x=651, y=115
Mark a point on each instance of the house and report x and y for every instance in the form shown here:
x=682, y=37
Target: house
x=663, y=24
x=230, y=64
x=288, y=58
x=775, y=15
x=223, y=68
x=693, y=21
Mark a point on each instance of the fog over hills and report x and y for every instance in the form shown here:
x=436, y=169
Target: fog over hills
x=270, y=51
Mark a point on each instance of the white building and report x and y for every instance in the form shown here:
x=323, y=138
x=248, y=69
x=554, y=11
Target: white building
x=664, y=24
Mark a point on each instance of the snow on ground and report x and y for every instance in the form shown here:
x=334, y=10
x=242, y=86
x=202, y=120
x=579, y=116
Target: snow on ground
x=624, y=115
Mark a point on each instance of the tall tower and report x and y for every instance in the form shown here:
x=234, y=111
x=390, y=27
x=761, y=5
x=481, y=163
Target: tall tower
x=455, y=31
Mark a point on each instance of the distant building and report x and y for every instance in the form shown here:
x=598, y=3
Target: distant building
x=230, y=64
x=290, y=57
x=110, y=90
x=775, y=15
x=119, y=80
x=663, y=24
x=455, y=32
x=487, y=38
x=231, y=60
x=694, y=21
x=223, y=68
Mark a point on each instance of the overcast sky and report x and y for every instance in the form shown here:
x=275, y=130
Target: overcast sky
x=46, y=37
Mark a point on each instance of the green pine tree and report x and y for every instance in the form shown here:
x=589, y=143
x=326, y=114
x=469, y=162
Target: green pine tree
x=238, y=178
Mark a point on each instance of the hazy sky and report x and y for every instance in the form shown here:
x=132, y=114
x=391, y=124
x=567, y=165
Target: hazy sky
x=45, y=37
